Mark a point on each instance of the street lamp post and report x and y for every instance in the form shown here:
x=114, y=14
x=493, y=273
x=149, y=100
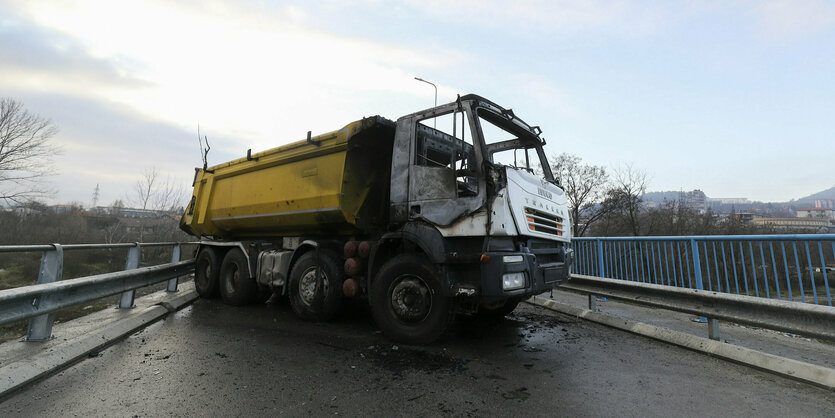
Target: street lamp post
x=435, y=121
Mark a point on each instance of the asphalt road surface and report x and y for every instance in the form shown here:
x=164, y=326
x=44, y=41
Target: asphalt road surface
x=215, y=360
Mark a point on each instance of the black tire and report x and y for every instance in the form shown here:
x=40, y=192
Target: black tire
x=207, y=272
x=408, y=302
x=499, y=313
x=237, y=286
x=310, y=299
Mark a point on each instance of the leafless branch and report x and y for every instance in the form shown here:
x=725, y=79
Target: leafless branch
x=26, y=153
x=585, y=187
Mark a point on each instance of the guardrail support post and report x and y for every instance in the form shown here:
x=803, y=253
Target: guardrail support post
x=52, y=267
x=712, y=324
x=126, y=300
x=713, y=329
x=175, y=257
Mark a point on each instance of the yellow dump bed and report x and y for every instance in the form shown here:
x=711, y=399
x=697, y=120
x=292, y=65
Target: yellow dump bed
x=335, y=183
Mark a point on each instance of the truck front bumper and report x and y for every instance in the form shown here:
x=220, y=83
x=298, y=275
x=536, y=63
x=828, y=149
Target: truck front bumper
x=523, y=274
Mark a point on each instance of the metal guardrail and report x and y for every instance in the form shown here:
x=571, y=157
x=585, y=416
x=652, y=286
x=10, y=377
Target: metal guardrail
x=800, y=318
x=38, y=302
x=790, y=267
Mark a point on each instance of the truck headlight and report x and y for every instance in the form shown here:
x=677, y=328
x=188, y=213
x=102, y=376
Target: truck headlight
x=512, y=259
x=513, y=281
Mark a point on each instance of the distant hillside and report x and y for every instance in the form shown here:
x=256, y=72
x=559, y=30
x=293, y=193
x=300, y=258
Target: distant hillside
x=826, y=194
x=671, y=196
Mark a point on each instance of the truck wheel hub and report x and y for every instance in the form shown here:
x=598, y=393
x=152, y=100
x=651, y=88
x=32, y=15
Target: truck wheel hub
x=309, y=286
x=411, y=299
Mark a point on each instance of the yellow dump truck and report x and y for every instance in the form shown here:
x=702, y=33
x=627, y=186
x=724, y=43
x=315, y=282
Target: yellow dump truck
x=453, y=209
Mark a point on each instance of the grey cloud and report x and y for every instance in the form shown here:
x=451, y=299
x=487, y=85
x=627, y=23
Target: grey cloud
x=25, y=45
x=111, y=144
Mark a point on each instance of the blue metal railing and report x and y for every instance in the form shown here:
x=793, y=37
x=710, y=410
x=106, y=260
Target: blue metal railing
x=785, y=267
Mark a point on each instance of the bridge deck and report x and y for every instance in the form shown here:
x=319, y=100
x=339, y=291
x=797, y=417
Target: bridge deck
x=213, y=359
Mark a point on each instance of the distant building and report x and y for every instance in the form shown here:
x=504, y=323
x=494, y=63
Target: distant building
x=729, y=200
x=807, y=224
x=825, y=203
x=818, y=213
x=744, y=217
x=65, y=208
x=123, y=212
x=696, y=200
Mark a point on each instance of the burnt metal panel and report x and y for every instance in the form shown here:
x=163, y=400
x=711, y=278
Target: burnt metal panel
x=431, y=194
x=430, y=183
x=400, y=162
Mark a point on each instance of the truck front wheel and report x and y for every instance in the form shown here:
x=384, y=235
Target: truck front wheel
x=237, y=286
x=407, y=300
x=316, y=290
x=206, y=272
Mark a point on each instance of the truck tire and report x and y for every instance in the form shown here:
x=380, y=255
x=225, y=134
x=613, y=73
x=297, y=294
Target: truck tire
x=237, y=287
x=499, y=313
x=206, y=273
x=408, y=302
x=311, y=300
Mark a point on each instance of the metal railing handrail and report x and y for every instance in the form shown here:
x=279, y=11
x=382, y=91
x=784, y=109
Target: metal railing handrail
x=47, y=247
x=790, y=266
x=51, y=293
x=799, y=318
x=31, y=301
x=787, y=267
x=776, y=237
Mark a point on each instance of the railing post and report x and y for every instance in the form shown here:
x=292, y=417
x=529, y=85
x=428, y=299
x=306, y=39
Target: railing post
x=52, y=266
x=126, y=300
x=694, y=249
x=600, y=259
x=175, y=257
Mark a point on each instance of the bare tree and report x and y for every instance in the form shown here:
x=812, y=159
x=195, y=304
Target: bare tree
x=116, y=207
x=153, y=192
x=585, y=187
x=26, y=152
x=168, y=196
x=115, y=232
x=143, y=190
x=626, y=196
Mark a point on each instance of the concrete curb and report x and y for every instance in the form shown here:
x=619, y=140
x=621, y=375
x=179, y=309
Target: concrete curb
x=793, y=369
x=19, y=374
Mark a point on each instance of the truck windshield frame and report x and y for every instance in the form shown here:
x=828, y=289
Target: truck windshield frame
x=516, y=135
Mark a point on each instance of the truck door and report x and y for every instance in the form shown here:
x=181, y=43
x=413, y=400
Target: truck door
x=445, y=182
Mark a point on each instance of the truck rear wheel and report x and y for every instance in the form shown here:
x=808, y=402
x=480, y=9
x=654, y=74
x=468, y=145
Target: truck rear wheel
x=206, y=272
x=316, y=291
x=407, y=300
x=237, y=286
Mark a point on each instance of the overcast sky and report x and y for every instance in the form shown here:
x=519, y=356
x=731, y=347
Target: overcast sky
x=736, y=98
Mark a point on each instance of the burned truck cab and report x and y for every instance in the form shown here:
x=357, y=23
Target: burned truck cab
x=470, y=182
